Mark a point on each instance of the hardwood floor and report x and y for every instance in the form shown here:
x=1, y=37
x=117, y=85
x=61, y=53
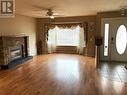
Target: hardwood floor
x=58, y=74
x=115, y=71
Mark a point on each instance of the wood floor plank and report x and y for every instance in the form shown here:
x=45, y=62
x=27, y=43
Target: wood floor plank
x=58, y=74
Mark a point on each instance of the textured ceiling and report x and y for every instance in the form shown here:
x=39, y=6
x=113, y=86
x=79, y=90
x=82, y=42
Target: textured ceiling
x=65, y=8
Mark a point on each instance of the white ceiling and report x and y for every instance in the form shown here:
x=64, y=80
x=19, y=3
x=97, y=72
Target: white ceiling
x=36, y=8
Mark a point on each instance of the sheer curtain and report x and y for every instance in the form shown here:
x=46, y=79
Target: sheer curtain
x=82, y=41
x=68, y=36
x=73, y=36
x=52, y=40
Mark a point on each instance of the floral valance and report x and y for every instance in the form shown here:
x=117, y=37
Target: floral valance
x=64, y=25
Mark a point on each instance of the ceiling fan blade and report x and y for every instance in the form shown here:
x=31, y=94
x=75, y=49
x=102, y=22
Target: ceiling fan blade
x=44, y=8
x=40, y=8
x=59, y=15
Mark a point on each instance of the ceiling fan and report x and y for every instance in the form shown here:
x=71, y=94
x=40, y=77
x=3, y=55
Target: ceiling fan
x=49, y=12
x=123, y=10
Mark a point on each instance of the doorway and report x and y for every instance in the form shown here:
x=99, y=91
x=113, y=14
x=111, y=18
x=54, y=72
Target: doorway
x=114, y=31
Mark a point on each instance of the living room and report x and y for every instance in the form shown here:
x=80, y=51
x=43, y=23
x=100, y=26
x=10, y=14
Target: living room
x=80, y=60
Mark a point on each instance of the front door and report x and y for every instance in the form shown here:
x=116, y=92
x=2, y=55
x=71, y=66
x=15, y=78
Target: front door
x=114, y=32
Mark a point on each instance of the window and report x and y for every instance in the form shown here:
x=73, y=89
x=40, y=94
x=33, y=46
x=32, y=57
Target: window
x=66, y=37
x=121, y=39
x=106, y=36
x=73, y=36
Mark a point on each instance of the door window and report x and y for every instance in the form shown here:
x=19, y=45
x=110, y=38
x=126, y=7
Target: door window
x=106, y=36
x=121, y=39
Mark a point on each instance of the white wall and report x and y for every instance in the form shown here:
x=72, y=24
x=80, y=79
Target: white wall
x=20, y=25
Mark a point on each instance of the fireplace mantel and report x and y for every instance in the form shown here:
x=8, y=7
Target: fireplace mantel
x=13, y=49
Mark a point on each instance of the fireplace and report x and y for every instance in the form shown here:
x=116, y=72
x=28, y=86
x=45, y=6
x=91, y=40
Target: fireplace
x=14, y=50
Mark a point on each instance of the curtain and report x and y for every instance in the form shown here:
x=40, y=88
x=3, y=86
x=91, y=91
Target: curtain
x=82, y=41
x=73, y=36
x=52, y=40
x=68, y=36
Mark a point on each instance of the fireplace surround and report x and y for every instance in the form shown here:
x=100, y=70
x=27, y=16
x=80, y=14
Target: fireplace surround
x=14, y=50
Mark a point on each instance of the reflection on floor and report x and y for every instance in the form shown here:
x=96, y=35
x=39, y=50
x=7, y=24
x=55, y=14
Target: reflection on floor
x=60, y=74
x=115, y=71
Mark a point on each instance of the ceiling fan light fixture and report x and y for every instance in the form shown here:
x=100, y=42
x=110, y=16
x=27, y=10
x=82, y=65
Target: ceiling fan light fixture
x=123, y=11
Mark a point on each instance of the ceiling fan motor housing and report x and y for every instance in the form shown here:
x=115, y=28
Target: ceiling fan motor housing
x=50, y=13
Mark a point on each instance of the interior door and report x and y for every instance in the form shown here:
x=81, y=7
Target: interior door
x=117, y=39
